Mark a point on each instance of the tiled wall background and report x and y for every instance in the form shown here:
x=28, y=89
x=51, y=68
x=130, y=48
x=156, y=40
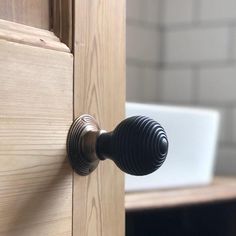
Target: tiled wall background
x=184, y=52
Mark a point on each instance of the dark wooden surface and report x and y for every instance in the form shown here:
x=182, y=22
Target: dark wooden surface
x=222, y=189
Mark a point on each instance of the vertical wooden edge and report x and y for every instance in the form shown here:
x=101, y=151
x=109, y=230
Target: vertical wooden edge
x=62, y=21
x=99, y=90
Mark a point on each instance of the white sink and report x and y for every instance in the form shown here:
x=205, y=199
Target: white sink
x=192, y=135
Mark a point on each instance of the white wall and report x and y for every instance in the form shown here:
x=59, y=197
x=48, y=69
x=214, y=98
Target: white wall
x=184, y=52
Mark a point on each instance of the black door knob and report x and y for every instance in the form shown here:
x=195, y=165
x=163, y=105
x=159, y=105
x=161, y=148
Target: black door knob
x=138, y=145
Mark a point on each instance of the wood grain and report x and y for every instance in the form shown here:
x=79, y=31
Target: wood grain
x=35, y=13
x=62, y=24
x=99, y=90
x=222, y=189
x=35, y=114
x=30, y=36
x=16, y=27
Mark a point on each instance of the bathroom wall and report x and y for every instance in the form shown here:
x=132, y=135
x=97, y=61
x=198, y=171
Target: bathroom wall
x=183, y=52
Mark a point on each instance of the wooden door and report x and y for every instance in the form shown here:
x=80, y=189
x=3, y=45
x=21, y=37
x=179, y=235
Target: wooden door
x=58, y=60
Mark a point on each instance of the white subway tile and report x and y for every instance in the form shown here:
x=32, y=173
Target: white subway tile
x=226, y=161
x=134, y=10
x=134, y=77
x=177, y=86
x=234, y=125
x=218, y=85
x=217, y=9
x=175, y=12
x=153, y=10
x=225, y=134
x=142, y=43
x=151, y=88
x=142, y=84
x=196, y=45
x=234, y=42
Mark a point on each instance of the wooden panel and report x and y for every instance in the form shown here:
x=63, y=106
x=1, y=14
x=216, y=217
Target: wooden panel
x=99, y=90
x=62, y=20
x=221, y=189
x=35, y=115
x=29, y=12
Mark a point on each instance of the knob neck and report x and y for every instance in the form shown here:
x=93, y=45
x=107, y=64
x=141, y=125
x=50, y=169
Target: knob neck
x=104, y=146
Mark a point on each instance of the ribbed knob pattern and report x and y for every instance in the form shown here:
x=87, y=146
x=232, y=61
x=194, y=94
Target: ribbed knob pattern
x=138, y=145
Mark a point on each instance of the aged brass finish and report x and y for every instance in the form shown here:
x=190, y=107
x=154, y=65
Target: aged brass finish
x=81, y=144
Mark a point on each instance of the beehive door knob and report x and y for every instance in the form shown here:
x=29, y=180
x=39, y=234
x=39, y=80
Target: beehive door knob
x=138, y=145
